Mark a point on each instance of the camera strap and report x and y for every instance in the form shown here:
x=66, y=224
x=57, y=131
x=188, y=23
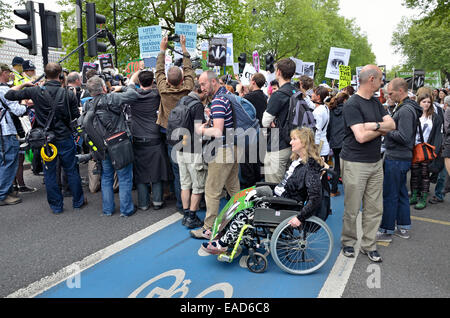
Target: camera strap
x=52, y=103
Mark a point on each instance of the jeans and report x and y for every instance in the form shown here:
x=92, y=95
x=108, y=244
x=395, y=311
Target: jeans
x=396, y=207
x=438, y=190
x=66, y=153
x=125, y=176
x=144, y=196
x=176, y=173
x=8, y=163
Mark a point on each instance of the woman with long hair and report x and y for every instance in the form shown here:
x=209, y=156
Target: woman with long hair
x=301, y=183
x=431, y=125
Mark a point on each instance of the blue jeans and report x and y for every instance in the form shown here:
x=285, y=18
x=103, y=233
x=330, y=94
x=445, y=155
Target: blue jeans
x=125, y=176
x=396, y=207
x=144, y=197
x=66, y=153
x=8, y=163
x=176, y=173
x=438, y=190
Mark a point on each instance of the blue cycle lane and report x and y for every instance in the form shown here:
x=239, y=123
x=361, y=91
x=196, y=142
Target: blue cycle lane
x=168, y=264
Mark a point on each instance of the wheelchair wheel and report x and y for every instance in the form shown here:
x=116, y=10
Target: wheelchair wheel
x=301, y=250
x=257, y=263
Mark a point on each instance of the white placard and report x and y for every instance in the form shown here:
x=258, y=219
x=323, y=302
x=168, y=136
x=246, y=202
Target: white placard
x=298, y=65
x=338, y=56
x=247, y=74
x=229, y=37
x=308, y=69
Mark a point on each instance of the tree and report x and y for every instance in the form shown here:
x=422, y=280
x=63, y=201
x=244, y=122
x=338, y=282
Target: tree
x=424, y=45
x=5, y=16
x=436, y=11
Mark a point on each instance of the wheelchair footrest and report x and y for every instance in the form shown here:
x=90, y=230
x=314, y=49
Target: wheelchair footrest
x=224, y=258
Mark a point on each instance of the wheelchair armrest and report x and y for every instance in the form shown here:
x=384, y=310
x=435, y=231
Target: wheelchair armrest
x=272, y=185
x=279, y=200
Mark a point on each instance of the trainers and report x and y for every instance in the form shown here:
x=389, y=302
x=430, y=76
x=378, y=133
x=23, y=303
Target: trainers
x=10, y=200
x=185, y=217
x=384, y=237
x=201, y=233
x=193, y=222
x=348, y=251
x=213, y=247
x=402, y=233
x=373, y=256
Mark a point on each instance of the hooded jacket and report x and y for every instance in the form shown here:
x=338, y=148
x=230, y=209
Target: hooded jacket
x=336, y=128
x=400, y=142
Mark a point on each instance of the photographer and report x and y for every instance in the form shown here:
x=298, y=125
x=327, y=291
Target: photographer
x=109, y=112
x=52, y=98
x=74, y=84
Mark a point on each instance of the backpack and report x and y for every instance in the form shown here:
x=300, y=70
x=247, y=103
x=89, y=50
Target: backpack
x=181, y=117
x=299, y=115
x=245, y=123
x=94, y=130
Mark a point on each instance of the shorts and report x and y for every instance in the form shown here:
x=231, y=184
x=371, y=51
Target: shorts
x=192, y=171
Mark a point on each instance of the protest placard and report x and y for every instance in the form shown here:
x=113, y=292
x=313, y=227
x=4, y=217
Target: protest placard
x=217, y=52
x=345, y=76
x=149, y=40
x=247, y=74
x=87, y=66
x=308, y=69
x=419, y=79
x=338, y=56
x=433, y=79
x=189, y=30
x=229, y=37
x=132, y=66
x=298, y=65
x=105, y=61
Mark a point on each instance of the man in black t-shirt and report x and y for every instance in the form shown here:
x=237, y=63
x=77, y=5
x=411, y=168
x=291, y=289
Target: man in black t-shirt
x=365, y=121
x=278, y=150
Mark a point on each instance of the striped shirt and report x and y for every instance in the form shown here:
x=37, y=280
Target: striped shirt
x=221, y=108
x=7, y=124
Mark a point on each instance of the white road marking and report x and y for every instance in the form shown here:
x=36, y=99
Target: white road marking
x=48, y=282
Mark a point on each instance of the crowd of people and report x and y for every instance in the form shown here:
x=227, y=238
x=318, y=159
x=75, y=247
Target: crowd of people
x=368, y=139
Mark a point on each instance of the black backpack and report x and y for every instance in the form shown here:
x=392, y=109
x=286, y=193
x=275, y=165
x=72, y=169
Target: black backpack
x=181, y=117
x=299, y=115
x=95, y=132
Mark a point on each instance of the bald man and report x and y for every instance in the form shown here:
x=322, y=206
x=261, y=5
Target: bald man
x=365, y=121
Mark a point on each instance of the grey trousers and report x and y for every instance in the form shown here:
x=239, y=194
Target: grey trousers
x=363, y=184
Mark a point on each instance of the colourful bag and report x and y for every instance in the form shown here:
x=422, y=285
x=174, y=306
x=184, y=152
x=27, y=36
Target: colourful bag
x=423, y=152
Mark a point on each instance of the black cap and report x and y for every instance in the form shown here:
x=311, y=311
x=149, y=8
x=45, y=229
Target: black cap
x=17, y=60
x=28, y=66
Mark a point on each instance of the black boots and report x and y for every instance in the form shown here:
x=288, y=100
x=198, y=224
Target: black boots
x=191, y=220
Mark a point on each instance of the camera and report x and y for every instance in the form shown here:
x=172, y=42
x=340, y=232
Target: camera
x=175, y=38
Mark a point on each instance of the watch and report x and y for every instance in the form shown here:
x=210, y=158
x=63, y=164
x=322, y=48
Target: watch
x=378, y=126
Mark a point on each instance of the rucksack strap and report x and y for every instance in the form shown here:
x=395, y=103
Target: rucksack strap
x=52, y=103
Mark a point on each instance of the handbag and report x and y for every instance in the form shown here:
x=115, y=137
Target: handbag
x=38, y=137
x=120, y=150
x=423, y=152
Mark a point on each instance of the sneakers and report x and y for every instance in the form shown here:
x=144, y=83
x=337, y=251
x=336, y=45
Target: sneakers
x=10, y=200
x=402, y=233
x=201, y=233
x=373, y=256
x=193, y=222
x=348, y=251
x=214, y=247
x=384, y=237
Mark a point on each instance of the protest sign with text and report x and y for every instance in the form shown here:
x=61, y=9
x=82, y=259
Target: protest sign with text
x=149, y=40
x=338, y=56
x=345, y=76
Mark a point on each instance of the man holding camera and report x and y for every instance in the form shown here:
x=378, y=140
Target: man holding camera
x=45, y=98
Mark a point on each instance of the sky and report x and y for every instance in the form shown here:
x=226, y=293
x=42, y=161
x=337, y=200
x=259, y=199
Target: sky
x=378, y=20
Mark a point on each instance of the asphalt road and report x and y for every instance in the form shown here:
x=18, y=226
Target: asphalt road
x=35, y=243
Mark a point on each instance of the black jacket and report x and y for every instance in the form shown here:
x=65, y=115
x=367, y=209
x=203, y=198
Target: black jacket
x=400, y=142
x=304, y=185
x=259, y=101
x=66, y=107
x=436, y=136
x=336, y=128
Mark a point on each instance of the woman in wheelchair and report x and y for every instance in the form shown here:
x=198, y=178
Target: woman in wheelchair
x=300, y=183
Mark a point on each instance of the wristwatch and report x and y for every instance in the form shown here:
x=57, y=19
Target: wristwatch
x=378, y=126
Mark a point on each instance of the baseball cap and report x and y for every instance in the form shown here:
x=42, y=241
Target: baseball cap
x=28, y=66
x=5, y=67
x=17, y=60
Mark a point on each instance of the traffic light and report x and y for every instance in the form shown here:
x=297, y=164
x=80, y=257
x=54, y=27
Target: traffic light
x=269, y=63
x=29, y=28
x=242, y=60
x=92, y=19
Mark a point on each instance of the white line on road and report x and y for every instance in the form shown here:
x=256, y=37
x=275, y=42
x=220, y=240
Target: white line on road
x=48, y=282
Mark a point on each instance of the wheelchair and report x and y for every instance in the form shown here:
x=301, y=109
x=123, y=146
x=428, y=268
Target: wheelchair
x=301, y=250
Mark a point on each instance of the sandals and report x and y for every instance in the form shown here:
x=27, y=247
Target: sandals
x=213, y=247
x=435, y=200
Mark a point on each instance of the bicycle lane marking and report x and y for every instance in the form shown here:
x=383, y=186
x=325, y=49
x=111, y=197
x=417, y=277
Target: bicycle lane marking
x=163, y=261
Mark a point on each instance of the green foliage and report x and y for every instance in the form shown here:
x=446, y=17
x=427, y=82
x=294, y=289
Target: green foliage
x=434, y=11
x=305, y=29
x=424, y=45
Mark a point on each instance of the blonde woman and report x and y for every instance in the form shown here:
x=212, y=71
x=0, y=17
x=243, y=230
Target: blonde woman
x=301, y=183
